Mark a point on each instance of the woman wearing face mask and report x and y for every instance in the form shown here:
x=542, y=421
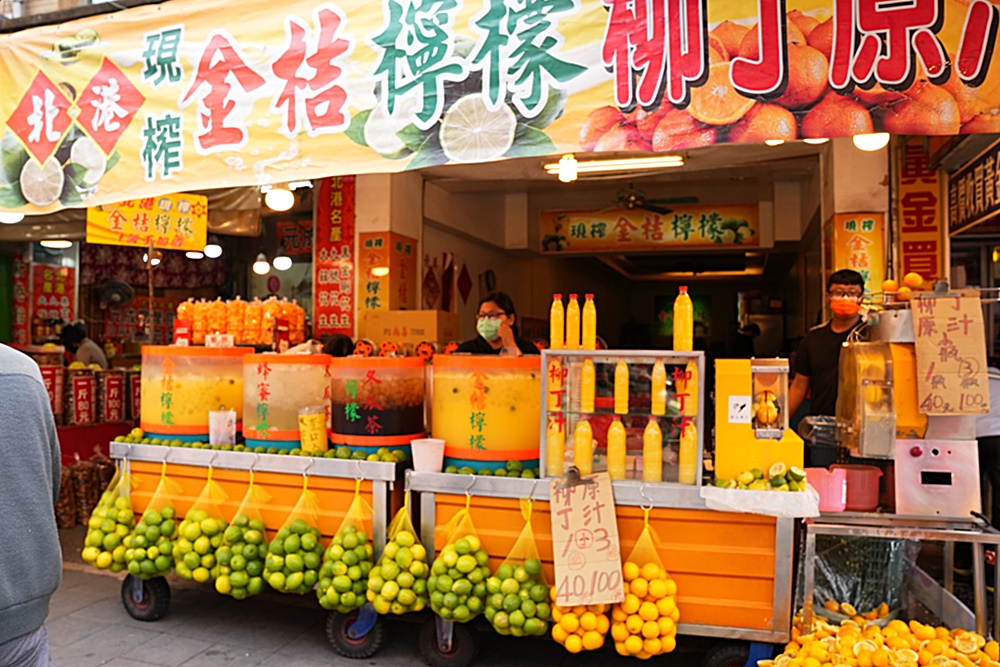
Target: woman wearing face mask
x=497, y=328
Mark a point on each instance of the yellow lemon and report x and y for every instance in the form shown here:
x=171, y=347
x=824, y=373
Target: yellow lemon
x=630, y=604
x=570, y=622
x=630, y=571
x=592, y=640
x=616, y=613
x=667, y=626
x=666, y=606
x=639, y=587
x=634, y=624
x=650, y=629
x=657, y=589
x=652, y=646
x=588, y=621
x=620, y=647
x=652, y=571
x=633, y=644
x=603, y=624
x=668, y=644
x=559, y=634
x=574, y=644
x=619, y=632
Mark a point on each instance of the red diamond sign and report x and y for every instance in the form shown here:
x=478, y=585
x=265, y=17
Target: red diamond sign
x=107, y=106
x=41, y=118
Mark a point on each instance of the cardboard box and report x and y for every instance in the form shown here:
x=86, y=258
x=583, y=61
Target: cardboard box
x=409, y=327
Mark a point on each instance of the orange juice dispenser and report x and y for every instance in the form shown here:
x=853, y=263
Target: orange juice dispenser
x=751, y=417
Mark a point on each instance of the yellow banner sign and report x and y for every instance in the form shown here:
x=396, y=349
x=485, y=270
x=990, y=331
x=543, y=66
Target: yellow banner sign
x=170, y=222
x=921, y=231
x=857, y=241
x=632, y=230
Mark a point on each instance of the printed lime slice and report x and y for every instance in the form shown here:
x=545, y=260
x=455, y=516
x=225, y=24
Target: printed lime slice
x=471, y=132
x=42, y=184
x=87, y=154
x=381, y=128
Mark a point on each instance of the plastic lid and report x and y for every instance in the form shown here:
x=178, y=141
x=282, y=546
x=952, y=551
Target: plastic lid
x=589, y=297
x=557, y=297
x=574, y=296
x=684, y=289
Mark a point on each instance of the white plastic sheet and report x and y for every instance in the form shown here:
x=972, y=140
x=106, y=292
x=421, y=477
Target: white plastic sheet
x=800, y=504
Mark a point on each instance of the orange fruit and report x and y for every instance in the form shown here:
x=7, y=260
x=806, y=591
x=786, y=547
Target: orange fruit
x=807, y=74
x=652, y=571
x=650, y=629
x=821, y=38
x=596, y=125
x=603, y=624
x=718, y=46
x=633, y=644
x=924, y=657
x=750, y=49
x=634, y=624
x=574, y=644
x=616, y=614
x=667, y=626
x=717, y=102
x=986, y=123
x=914, y=280
x=831, y=605
x=588, y=621
x=657, y=589
x=730, y=34
x=630, y=604
x=880, y=658
x=592, y=640
x=890, y=285
x=969, y=101
x=666, y=606
x=570, y=623
x=668, y=644
x=646, y=122
x=621, y=138
x=678, y=130
x=648, y=611
x=903, y=293
x=639, y=588
x=630, y=571
x=559, y=634
x=716, y=56
x=924, y=109
x=676, y=615
x=671, y=587
x=763, y=122
x=877, y=96
x=652, y=646
x=803, y=22
x=992, y=651
x=620, y=647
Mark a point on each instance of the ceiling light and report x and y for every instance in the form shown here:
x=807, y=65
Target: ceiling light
x=816, y=142
x=282, y=262
x=279, y=198
x=380, y=271
x=774, y=142
x=213, y=250
x=56, y=244
x=295, y=185
x=567, y=168
x=871, y=142
x=10, y=218
x=624, y=164
x=155, y=261
x=194, y=254
x=261, y=267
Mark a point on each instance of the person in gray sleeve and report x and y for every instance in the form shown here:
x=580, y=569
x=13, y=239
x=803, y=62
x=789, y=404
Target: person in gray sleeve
x=30, y=557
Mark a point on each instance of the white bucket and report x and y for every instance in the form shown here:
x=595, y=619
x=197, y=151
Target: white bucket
x=428, y=454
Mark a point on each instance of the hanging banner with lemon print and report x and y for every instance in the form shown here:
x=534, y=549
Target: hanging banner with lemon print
x=179, y=96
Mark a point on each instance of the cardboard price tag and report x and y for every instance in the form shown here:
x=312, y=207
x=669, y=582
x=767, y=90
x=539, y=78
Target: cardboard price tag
x=951, y=355
x=585, y=542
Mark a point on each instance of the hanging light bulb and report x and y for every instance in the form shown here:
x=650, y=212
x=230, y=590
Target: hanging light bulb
x=279, y=198
x=56, y=244
x=10, y=218
x=774, y=142
x=816, y=141
x=261, y=267
x=567, y=168
x=871, y=142
x=282, y=262
x=194, y=254
x=154, y=260
x=212, y=249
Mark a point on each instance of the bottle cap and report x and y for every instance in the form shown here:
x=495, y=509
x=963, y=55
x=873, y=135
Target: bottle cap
x=557, y=297
x=684, y=289
x=589, y=296
x=574, y=296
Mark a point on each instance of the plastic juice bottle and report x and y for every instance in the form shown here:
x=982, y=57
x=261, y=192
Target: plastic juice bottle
x=691, y=389
x=652, y=452
x=588, y=384
x=589, y=337
x=555, y=385
x=616, y=450
x=555, y=448
x=621, y=388
x=686, y=464
x=557, y=323
x=683, y=322
x=583, y=447
x=573, y=323
x=658, y=392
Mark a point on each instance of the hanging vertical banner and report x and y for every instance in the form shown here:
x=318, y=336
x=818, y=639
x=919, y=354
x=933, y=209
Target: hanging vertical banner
x=52, y=291
x=920, y=212
x=333, y=258
x=373, y=269
x=403, y=272
x=20, y=325
x=857, y=241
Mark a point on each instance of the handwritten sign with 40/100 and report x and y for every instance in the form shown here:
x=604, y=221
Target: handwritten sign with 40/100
x=585, y=542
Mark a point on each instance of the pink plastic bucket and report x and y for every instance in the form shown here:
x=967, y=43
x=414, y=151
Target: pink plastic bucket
x=832, y=488
x=862, y=486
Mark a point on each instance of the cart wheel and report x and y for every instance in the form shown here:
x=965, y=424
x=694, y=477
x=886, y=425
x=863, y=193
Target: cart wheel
x=463, y=646
x=146, y=600
x=730, y=654
x=338, y=631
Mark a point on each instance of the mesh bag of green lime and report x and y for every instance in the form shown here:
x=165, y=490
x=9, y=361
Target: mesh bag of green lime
x=343, y=576
x=110, y=523
x=149, y=549
x=244, y=547
x=398, y=583
x=200, y=534
x=517, y=600
x=457, y=583
x=294, y=555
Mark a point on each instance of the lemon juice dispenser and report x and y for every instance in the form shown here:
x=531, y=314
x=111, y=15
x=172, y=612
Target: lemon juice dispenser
x=751, y=417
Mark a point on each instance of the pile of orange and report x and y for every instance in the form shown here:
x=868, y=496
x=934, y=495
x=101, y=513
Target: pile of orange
x=580, y=628
x=645, y=622
x=898, y=644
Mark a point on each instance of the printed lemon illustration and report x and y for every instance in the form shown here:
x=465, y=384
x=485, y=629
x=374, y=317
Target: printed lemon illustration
x=41, y=184
x=717, y=102
x=471, y=132
x=381, y=129
x=86, y=154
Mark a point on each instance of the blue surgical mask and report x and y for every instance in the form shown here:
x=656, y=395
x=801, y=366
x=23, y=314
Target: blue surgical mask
x=488, y=328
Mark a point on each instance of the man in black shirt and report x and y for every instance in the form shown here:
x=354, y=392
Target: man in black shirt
x=817, y=364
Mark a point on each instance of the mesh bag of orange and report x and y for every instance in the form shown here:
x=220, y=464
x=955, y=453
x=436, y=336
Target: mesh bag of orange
x=517, y=601
x=343, y=575
x=645, y=622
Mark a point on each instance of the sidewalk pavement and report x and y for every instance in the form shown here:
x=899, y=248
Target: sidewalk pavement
x=88, y=626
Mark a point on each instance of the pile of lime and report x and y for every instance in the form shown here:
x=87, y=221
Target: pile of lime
x=241, y=558
x=517, y=600
x=293, y=558
x=343, y=576
x=458, y=580
x=110, y=523
x=198, y=537
x=513, y=468
x=149, y=549
x=398, y=584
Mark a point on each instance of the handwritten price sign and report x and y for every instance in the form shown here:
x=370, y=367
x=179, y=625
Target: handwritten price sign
x=951, y=355
x=585, y=543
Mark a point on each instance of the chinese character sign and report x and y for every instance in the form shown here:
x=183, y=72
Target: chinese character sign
x=974, y=191
x=858, y=242
x=585, y=550
x=951, y=355
x=158, y=99
x=374, y=270
x=920, y=212
x=628, y=230
x=333, y=258
x=21, y=315
x=53, y=290
x=171, y=222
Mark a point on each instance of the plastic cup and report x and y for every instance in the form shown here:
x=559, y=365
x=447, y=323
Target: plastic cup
x=312, y=429
x=428, y=454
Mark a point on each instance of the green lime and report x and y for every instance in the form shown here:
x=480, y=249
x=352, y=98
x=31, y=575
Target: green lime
x=472, y=132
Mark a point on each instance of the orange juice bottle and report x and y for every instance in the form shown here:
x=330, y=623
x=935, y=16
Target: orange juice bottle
x=557, y=323
x=691, y=389
x=589, y=337
x=658, y=392
x=683, y=322
x=555, y=448
x=621, y=388
x=555, y=385
x=588, y=384
x=583, y=447
x=687, y=465
x=616, y=450
x=652, y=452
x=573, y=323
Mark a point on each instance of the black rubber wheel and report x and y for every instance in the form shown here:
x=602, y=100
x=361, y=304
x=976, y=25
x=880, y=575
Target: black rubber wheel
x=729, y=654
x=463, y=646
x=338, y=624
x=155, y=598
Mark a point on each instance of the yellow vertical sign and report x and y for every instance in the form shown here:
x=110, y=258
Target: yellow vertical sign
x=857, y=241
x=919, y=212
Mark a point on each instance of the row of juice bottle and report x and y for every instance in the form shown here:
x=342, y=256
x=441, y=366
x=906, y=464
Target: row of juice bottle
x=248, y=322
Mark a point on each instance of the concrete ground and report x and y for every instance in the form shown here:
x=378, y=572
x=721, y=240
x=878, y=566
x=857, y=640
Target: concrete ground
x=88, y=626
